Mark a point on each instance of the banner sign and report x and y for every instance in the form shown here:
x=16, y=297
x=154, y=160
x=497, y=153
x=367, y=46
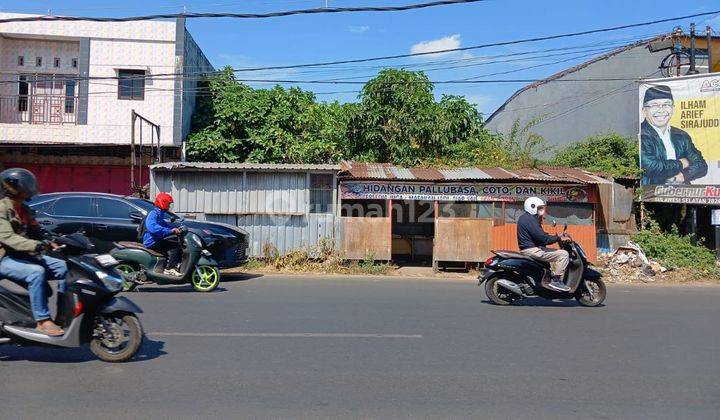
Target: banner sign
x=679, y=133
x=361, y=190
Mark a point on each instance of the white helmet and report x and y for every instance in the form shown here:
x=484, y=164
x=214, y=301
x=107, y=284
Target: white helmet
x=532, y=204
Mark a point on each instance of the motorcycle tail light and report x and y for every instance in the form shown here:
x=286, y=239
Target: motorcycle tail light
x=78, y=309
x=489, y=261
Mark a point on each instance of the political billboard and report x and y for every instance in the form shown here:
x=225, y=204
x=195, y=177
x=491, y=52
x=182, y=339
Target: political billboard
x=679, y=133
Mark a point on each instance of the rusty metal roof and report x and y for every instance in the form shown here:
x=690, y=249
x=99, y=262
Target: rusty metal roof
x=386, y=171
x=214, y=166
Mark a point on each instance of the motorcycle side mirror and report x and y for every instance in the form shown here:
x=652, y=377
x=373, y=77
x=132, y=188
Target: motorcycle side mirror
x=136, y=216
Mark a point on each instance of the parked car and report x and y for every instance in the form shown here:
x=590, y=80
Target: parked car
x=108, y=218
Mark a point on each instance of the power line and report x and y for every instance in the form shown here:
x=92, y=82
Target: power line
x=315, y=11
x=480, y=46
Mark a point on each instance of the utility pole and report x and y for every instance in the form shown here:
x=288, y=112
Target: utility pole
x=708, y=32
x=692, y=70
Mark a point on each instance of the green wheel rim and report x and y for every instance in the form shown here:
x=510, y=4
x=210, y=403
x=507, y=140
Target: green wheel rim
x=205, y=278
x=126, y=269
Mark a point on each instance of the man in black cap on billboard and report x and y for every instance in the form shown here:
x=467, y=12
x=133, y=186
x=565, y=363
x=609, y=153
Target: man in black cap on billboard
x=667, y=154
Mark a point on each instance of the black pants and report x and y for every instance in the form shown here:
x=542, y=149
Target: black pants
x=170, y=247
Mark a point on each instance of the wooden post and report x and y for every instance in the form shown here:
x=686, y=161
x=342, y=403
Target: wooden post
x=436, y=216
x=390, y=215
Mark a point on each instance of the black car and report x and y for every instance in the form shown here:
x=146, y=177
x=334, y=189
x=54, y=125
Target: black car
x=108, y=218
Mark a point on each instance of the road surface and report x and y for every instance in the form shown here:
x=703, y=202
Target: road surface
x=304, y=347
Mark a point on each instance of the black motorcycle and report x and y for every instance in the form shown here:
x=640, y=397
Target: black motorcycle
x=510, y=276
x=89, y=311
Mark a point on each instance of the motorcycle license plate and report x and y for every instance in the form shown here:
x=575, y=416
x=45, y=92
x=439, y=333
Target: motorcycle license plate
x=106, y=260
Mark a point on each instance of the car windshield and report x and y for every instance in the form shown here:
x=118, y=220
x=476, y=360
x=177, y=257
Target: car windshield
x=148, y=207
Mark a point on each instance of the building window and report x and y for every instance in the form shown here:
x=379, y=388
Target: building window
x=38, y=61
x=21, y=60
x=23, y=89
x=69, y=96
x=74, y=63
x=321, y=193
x=572, y=214
x=56, y=62
x=131, y=84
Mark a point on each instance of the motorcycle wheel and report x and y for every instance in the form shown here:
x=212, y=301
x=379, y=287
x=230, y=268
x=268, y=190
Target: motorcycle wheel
x=599, y=292
x=116, y=338
x=497, y=294
x=205, y=278
x=127, y=268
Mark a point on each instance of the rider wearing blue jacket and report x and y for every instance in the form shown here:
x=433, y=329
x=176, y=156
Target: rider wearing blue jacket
x=158, y=233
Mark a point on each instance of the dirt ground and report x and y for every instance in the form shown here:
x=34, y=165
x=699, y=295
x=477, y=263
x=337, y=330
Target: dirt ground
x=624, y=274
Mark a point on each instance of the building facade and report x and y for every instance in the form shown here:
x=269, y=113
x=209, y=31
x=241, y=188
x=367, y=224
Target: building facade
x=380, y=211
x=68, y=89
x=596, y=97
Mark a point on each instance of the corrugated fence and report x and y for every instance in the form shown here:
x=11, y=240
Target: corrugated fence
x=272, y=206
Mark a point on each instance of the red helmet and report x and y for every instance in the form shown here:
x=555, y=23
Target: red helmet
x=163, y=201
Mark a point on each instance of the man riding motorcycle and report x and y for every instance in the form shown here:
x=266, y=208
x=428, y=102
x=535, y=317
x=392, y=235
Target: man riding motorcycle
x=20, y=243
x=533, y=242
x=157, y=230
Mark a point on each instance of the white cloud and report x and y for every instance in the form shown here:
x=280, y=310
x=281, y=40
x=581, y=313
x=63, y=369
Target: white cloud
x=358, y=29
x=445, y=43
x=480, y=101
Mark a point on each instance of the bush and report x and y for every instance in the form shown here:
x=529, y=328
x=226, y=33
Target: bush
x=674, y=250
x=610, y=154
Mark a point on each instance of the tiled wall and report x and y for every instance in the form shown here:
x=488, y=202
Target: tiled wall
x=148, y=46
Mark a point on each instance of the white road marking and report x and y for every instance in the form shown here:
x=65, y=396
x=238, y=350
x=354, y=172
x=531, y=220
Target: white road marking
x=282, y=335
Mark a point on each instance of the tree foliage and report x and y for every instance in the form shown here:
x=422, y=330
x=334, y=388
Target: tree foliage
x=396, y=120
x=610, y=154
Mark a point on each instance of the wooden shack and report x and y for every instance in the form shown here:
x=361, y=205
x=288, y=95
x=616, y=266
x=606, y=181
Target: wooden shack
x=433, y=216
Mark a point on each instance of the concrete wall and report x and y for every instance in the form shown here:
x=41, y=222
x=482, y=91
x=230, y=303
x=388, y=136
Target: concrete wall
x=148, y=46
x=194, y=62
x=273, y=207
x=571, y=111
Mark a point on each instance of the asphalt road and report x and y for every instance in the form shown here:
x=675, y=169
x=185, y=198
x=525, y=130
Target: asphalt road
x=279, y=347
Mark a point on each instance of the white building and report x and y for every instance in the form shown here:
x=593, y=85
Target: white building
x=67, y=91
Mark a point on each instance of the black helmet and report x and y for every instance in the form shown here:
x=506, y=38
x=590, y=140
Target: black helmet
x=18, y=181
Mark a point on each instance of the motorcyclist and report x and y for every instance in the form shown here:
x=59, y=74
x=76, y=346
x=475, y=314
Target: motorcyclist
x=20, y=243
x=533, y=242
x=158, y=232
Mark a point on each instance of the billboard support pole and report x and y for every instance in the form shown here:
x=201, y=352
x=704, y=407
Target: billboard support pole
x=708, y=31
x=693, y=224
x=692, y=70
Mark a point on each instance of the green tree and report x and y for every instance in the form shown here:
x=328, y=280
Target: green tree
x=611, y=154
x=396, y=120
x=236, y=123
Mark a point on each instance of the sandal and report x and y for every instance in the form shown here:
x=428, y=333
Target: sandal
x=50, y=330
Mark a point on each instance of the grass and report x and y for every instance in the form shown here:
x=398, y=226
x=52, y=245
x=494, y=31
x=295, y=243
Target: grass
x=323, y=258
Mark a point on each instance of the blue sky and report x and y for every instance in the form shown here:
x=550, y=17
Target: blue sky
x=317, y=38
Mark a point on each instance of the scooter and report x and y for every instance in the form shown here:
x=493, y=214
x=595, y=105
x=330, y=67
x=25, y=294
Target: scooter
x=141, y=265
x=89, y=310
x=510, y=276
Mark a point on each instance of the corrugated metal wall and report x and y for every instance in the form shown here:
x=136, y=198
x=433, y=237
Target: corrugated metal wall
x=273, y=207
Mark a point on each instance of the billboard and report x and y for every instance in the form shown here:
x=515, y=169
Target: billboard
x=361, y=190
x=679, y=131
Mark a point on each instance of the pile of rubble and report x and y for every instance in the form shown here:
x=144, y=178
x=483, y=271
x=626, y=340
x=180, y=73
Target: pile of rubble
x=629, y=264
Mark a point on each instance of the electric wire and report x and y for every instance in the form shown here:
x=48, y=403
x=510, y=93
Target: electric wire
x=196, y=15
